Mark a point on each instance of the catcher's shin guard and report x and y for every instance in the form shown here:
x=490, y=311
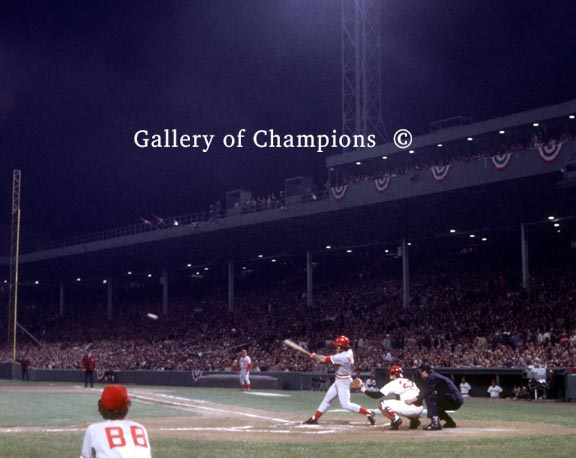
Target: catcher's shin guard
x=395, y=425
x=387, y=412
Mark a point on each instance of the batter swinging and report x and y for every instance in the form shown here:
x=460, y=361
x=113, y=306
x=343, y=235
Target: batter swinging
x=343, y=362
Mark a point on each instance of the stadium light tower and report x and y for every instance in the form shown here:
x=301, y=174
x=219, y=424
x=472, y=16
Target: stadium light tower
x=14, y=254
x=361, y=69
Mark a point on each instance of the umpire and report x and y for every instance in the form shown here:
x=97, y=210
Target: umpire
x=440, y=395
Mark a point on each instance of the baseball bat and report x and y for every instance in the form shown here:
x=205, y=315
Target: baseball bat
x=295, y=346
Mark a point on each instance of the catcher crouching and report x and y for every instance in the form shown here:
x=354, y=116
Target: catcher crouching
x=393, y=409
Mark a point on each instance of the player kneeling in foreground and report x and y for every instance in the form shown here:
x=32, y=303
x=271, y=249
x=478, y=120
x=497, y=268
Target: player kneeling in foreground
x=115, y=437
x=403, y=389
x=441, y=395
x=343, y=362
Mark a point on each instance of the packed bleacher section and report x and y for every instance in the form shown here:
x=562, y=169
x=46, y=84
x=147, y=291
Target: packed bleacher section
x=458, y=317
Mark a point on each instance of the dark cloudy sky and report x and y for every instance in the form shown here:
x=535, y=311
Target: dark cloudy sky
x=77, y=79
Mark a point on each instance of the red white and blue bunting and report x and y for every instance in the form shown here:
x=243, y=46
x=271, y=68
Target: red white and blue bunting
x=548, y=153
x=501, y=161
x=440, y=172
x=338, y=192
x=196, y=374
x=382, y=183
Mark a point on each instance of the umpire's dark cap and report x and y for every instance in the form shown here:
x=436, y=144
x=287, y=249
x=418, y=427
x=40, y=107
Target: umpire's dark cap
x=425, y=367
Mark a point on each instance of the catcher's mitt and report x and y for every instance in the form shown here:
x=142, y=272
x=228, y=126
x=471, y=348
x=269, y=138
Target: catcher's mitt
x=356, y=384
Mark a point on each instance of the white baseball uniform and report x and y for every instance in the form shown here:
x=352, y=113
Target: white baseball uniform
x=116, y=439
x=465, y=389
x=494, y=391
x=404, y=389
x=344, y=367
x=371, y=385
x=245, y=364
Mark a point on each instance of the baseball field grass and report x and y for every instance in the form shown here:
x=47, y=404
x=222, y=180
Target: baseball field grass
x=48, y=420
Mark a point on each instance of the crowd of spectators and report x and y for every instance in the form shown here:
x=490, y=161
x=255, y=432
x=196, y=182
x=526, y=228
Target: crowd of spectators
x=455, y=318
x=265, y=202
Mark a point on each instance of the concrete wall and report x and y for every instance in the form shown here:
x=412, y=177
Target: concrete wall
x=262, y=380
x=562, y=385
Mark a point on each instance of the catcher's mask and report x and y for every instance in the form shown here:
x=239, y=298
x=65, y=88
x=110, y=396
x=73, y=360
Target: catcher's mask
x=342, y=341
x=395, y=370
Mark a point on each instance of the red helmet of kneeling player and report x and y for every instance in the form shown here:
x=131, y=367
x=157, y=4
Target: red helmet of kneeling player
x=396, y=371
x=342, y=341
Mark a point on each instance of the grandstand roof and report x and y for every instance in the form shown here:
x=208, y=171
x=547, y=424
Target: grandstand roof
x=491, y=126
x=486, y=211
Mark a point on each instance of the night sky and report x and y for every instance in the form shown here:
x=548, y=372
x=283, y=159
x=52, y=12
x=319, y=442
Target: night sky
x=78, y=79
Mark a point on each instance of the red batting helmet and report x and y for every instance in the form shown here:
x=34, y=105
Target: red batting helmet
x=395, y=370
x=342, y=341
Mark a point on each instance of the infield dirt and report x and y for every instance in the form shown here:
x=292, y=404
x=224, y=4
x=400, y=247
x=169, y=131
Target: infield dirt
x=221, y=422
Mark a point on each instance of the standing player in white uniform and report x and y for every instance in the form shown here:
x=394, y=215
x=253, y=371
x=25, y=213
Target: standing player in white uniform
x=465, y=387
x=115, y=437
x=343, y=362
x=402, y=388
x=244, y=366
